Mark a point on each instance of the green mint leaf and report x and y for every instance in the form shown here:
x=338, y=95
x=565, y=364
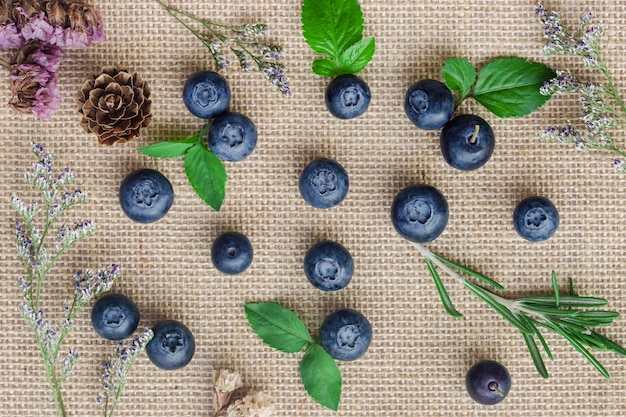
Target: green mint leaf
x=278, y=327
x=509, y=87
x=357, y=56
x=331, y=26
x=206, y=174
x=321, y=377
x=171, y=149
x=459, y=75
x=324, y=67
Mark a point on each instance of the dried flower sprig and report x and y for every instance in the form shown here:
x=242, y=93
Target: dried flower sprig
x=39, y=255
x=35, y=33
x=571, y=316
x=253, y=404
x=116, y=371
x=603, y=110
x=242, y=41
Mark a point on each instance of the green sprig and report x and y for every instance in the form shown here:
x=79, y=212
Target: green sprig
x=571, y=316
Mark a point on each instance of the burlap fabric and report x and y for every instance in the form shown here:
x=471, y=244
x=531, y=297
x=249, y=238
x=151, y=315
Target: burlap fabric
x=419, y=356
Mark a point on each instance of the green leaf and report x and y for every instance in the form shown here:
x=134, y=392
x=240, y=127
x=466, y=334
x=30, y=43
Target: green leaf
x=206, y=174
x=565, y=301
x=278, y=327
x=331, y=26
x=324, y=67
x=171, y=149
x=555, y=287
x=321, y=377
x=459, y=75
x=471, y=272
x=509, y=87
x=357, y=56
x=441, y=289
x=535, y=355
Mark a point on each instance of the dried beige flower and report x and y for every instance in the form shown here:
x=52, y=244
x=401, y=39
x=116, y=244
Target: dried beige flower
x=225, y=383
x=255, y=404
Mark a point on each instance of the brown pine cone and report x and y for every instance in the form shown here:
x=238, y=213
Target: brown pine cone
x=115, y=105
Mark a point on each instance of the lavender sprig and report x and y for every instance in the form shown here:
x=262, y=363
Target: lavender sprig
x=603, y=110
x=39, y=256
x=243, y=41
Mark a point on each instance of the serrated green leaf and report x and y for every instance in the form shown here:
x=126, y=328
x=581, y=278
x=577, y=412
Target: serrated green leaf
x=278, y=327
x=172, y=149
x=459, y=75
x=509, y=87
x=324, y=67
x=357, y=56
x=321, y=377
x=206, y=174
x=331, y=26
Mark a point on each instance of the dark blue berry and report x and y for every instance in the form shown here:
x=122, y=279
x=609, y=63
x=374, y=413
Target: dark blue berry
x=231, y=253
x=347, y=96
x=536, y=219
x=172, y=346
x=146, y=195
x=328, y=266
x=419, y=213
x=429, y=104
x=232, y=136
x=114, y=317
x=206, y=94
x=346, y=334
x=324, y=183
x=488, y=382
x=467, y=142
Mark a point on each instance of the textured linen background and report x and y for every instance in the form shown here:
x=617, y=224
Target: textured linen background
x=419, y=356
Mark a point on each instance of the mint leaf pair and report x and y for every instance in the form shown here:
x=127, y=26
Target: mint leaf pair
x=283, y=330
x=334, y=28
x=205, y=171
x=508, y=87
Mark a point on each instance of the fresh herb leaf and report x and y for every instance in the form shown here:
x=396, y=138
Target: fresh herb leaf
x=459, y=75
x=278, y=327
x=171, y=149
x=441, y=289
x=321, y=377
x=334, y=28
x=510, y=87
x=206, y=174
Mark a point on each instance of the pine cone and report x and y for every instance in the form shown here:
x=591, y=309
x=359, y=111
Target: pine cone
x=115, y=105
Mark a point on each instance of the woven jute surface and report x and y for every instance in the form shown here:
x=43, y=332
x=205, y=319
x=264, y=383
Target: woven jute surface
x=419, y=355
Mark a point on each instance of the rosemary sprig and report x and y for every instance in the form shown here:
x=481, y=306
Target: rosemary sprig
x=571, y=316
x=242, y=41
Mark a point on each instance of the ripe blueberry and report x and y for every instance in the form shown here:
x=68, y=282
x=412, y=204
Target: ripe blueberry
x=419, y=213
x=172, y=346
x=231, y=253
x=324, y=183
x=206, y=94
x=232, y=136
x=114, y=317
x=146, y=195
x=535, y=219
x=467, y=142
x=328, y=266
x=346, y=334
x=488, y=382
x=429, y=104
x=347, y=96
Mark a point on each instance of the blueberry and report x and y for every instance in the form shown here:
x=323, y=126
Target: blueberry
x=346, y=334
x=172, y=346
x=347, y=96
x=206, y=94
x=467, y=142
x=114, y=317
x=146, y=195
x=429, y=104
x=419, y=213
x=328, y=266
x=535, y=219
x=324, y=183
x=231, y=253
x=232, y=136
x=488, y=382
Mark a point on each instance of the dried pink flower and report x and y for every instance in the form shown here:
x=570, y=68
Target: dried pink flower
x=10, y=36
